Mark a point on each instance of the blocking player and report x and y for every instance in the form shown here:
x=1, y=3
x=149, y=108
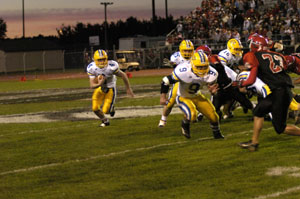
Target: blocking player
x=262, y=90
x=269, y=67
x=230, y=58
x=186, y=50
x=226, y=91
x=102, y=74
x=192, y=77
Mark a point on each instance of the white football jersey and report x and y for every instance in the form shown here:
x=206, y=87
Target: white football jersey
x=258, y=86
x=108, y=71
x=189, y=82
x=177, y=58
x=227, y=59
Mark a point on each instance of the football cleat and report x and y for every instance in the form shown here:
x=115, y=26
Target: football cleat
x=199, y=117
x=227, y=116
x=112, y=112
x=185, y=129
x=162, y=123
x=218, y=135
x=104, y=123
x=249, y=145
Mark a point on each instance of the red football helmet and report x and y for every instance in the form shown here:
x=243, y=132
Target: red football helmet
x=289, y=59
x=251, y=36
x=258, y=43
x=205, y=49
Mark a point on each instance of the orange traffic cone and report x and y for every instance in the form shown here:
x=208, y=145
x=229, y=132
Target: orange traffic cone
x=23, y=79
x=129, y=75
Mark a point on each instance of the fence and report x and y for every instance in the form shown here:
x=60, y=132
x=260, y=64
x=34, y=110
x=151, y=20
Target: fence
x=61, y=60
x=31, y=61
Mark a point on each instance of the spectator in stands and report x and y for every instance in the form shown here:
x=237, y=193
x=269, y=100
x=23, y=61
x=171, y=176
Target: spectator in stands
x=204, y=20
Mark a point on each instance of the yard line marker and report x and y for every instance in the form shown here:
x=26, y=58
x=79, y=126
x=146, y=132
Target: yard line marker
x=111, y=154
x=41, y=130
x=277, y=194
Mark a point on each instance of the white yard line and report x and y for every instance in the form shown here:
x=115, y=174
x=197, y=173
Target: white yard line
x=110, y=155
x=277, y=194
x=120, y=113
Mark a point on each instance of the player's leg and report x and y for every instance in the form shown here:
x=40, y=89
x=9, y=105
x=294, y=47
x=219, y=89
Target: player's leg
x=205, y=106
x=295, y=107
x=263, y=107
x=282, y=101
x=168, y=107
x=109, y=101
x=108, y=104
x=97, y=101
x=190, y=113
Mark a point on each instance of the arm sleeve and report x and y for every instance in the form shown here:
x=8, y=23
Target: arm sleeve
x=251, y=63
x=165, y=83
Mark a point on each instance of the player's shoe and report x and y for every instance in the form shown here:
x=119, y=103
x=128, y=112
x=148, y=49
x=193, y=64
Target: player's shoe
x=104, y=123
x=218, y=135
x=185, y=129
x=112, y=112
x=249, y=145
x=199, y=117
x=227, y=116
x=162, y=123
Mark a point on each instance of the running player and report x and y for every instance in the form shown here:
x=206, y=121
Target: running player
x=102, y=74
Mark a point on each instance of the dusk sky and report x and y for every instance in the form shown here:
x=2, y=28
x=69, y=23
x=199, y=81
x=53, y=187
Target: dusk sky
x=44, y=17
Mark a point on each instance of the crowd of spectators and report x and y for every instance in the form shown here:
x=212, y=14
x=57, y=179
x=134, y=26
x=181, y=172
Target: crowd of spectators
x=216, y=21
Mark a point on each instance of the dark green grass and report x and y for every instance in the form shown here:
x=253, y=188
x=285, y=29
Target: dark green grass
x=134, y=159
x=84, y=104
x=9, y=86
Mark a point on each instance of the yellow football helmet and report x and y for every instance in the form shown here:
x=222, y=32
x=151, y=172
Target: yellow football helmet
x=200, y=64
x=235, y=47
x=100, y=58
x=186, y=49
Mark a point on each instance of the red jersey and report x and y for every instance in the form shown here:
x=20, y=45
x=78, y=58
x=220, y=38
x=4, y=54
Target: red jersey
x=293, y=63
x=269, y=67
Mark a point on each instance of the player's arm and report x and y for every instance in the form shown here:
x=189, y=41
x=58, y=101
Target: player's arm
x=251, y=63
x=213, y=87
x=121, y=74
x=212, y=84
x=96, y=81
x=169, y=63
x=164, y=88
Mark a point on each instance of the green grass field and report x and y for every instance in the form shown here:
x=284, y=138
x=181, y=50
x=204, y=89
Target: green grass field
x=133, y=158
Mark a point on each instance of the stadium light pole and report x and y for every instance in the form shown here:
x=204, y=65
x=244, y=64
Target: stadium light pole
x=105, y=21
x=153, y=10
x=166, y=5
x=23, y=17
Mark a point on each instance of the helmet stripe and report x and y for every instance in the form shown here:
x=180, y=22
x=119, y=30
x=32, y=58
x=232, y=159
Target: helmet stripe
x=201, y=57
x=188, y=43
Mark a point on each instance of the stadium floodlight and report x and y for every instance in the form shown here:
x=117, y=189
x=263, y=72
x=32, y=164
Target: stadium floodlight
x=105, y=21
x=23, y=17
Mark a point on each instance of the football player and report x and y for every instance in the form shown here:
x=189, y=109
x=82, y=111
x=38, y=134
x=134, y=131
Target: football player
x=269, y=67
x=293, y=65
x=226, y=91
x=192, y=76
x=102, y=74
x=230, y=58
x=186, y=50
x=263, y=90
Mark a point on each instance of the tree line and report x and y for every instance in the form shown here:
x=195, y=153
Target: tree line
x=78, y=36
